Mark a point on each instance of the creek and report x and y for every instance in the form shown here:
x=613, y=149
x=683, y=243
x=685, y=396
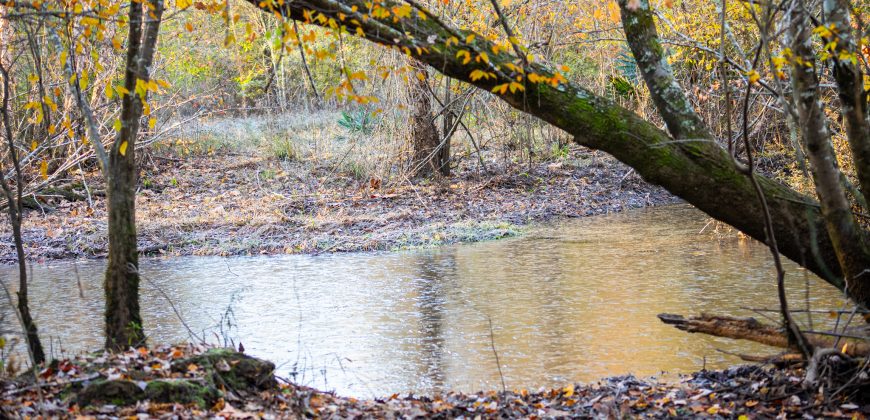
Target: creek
x=572, y=301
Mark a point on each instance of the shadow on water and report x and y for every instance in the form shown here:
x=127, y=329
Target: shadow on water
x=574, y=301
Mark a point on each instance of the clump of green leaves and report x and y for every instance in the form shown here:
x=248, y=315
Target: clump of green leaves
x=360, y=121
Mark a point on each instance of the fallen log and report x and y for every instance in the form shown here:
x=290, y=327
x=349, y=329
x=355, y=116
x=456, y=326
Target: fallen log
x=752, y=330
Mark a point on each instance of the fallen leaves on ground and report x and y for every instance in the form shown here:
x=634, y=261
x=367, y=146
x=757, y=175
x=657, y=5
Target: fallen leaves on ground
x=748, y=392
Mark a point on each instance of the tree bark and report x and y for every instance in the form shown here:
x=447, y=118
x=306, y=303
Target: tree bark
x=15, y=209
x=424, y=134
x=701, y=172
x=847, y=238
x=123, y=319
x=850, y=85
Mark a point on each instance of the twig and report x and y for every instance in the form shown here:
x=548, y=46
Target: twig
x=133, y=269
x=494, y=352
x=795, y=337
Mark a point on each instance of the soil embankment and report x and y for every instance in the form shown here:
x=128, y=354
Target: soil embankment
x=227, y=205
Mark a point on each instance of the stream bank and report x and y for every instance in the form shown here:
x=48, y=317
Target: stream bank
x=228, y=204
x=189, y=381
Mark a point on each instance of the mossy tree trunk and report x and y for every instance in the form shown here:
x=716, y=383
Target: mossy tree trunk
x=122, y=317
x=688, y=162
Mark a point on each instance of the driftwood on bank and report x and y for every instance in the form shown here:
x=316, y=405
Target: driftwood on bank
x=752, y=330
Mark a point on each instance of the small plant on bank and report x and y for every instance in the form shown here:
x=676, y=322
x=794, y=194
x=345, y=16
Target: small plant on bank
x=360, y=121
x=284, y=149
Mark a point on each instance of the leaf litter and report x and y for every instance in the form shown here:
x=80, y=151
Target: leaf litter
x=743, y=392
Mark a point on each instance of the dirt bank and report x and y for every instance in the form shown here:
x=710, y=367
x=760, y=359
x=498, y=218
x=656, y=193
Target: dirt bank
x=227, y=204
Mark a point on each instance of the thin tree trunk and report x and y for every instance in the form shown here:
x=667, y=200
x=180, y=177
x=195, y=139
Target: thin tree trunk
x=847, y=238
x=447, y=129
x=305, y=64
x=15, y=209
x=850, y=84
x=123, y=319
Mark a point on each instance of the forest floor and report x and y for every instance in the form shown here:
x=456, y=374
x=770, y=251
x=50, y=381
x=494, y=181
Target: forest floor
x=194, y=382
x=235, y=204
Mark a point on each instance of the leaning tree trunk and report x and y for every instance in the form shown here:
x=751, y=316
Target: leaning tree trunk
x=123, y=320
x=694, y=168
x=425, y=140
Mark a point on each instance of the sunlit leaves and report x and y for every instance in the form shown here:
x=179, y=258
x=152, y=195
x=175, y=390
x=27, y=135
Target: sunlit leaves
x=480, y=74
x=513, y=87
x=753, y=76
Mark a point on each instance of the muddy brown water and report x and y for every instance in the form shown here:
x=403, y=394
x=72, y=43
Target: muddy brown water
x=573, y=301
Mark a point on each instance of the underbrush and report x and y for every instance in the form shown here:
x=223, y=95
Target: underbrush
x=367, y=145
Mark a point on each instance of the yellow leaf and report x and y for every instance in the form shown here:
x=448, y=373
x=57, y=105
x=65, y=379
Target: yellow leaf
x=536, y=78
x=568, y=390
x=34, y=145
x=469, y=38
x=151, y=123
x=117, y=125
x=43, y=169
x=183, y=4
x=502, y=88
x=753, y=76
x=52, y=129
x=122, y=149
x=109, y=91
x=121, y=90
x=466, y=54
x=188, y=26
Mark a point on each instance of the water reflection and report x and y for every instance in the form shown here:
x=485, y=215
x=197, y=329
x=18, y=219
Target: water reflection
x=574, y=301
